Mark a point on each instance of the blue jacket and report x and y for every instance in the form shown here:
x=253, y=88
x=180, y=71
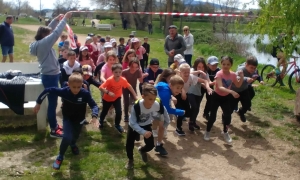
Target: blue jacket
x=164, y=93
x=152, y=75
x=6, y=35
x=74, y=106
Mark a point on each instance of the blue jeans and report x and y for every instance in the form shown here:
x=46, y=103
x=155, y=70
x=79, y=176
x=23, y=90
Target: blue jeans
x=72, y=130
x=51, y=81
x=7, y=50
x=188, y=58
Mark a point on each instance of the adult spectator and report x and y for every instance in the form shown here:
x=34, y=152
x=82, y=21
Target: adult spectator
x=124, y=22
x=189, y=40
x=150, y=30
x=174, y=44
x=45, y=38
x=7, y=39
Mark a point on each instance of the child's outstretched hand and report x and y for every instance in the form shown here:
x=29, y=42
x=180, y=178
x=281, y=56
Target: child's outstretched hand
x=201, y=72
x=111, y=94
x=235, y=94
x=209, y=91
x=240, y=73
x=147, y=134
x=36, y=108
x=95, y=122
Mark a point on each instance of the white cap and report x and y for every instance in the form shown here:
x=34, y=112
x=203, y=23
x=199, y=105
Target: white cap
x=179, y=58
x=113, y=40
x=135, y=40
x=82, y=48
x=88, y=38
x=107, y=45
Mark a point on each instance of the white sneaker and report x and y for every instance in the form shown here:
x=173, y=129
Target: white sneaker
x=227, y=137
x=206, y=136
x=154, y=133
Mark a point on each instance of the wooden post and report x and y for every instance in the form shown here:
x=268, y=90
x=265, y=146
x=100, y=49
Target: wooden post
x=297, y=105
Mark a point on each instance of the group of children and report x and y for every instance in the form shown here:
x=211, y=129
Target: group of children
x=118, y=72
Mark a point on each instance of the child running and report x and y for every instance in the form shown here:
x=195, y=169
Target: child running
x=222, y=97
x=132, y=74
x=84, y=57
x=212, y=69
x=168, y=84
x=144, y=111
x=182, y=100
x=75, y=100
x=196, y=92
x=112, y=89
x=128, y=55
x=68, y=67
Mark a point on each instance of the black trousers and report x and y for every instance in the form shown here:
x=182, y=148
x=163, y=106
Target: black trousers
x=195, y=102
x=184, y=105
x=208, y=102
x=127, y=96
x=131, y=134
x=245, y=101
x=224, y=103
x=118, y=109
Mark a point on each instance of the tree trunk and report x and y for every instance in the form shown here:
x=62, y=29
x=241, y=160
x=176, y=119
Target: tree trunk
x=297, y=105
x=169, y=19
x=139, y=20
x=120, y=2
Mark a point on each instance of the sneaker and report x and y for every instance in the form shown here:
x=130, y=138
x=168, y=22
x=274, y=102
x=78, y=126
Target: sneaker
x=119, y=129
x=162, y=151
x=206, y=136
x=75, y=150
x=180, y=132
x=129, y=164
x=143, y=155
x=191, y=126
x=154, y=133
x=60, y=127
x=57, y=163
x=86, y=122
x=126, y=119
x=242, y=117
x=196, y=126
x=56, y=133
x=227, y=137
x=206, y=116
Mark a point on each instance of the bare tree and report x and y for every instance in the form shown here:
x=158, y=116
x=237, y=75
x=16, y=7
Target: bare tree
x=18, y=4
x=169, y=19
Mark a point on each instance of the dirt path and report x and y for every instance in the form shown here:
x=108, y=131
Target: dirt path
x=249, y=157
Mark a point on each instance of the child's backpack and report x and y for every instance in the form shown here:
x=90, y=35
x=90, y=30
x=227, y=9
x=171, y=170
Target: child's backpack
x=137, y=108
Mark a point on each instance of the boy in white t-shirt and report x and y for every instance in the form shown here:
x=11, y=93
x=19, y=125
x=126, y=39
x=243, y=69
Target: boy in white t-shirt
x=182, y=100
x=143, y=112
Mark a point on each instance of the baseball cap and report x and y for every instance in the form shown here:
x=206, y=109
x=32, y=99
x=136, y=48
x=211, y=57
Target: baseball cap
x=213, y=60
x=88, y=38
x=82, y=48
x=154, y=61
x=178, y=57
x=112, y=40
x=102, y=40
x=87, y=70
x=131, y=35
x=135, y=40
x=108, y=36
x=91, y=34
x=107, y=45
x=172, y=27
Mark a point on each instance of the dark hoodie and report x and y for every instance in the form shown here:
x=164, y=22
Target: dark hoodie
x=164, y=92
x=152, y=75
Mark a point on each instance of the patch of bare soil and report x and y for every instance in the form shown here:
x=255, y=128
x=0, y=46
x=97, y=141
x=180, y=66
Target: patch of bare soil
x=191, y=158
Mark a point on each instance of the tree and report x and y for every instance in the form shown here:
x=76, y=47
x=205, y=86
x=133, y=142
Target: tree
x=18, y=6
x=278, y=16
x=169, y=19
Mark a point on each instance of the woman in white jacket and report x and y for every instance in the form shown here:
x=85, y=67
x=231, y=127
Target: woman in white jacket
x=189, y=40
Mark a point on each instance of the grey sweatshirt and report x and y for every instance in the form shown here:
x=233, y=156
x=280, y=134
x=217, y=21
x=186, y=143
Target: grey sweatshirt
x=178, y=44
x=44, y=51
x=147, y=116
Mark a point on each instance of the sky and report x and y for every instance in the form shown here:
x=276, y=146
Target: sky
x=48, y=4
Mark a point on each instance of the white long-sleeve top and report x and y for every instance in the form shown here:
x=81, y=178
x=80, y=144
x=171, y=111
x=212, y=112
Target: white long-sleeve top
x=189, y=40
